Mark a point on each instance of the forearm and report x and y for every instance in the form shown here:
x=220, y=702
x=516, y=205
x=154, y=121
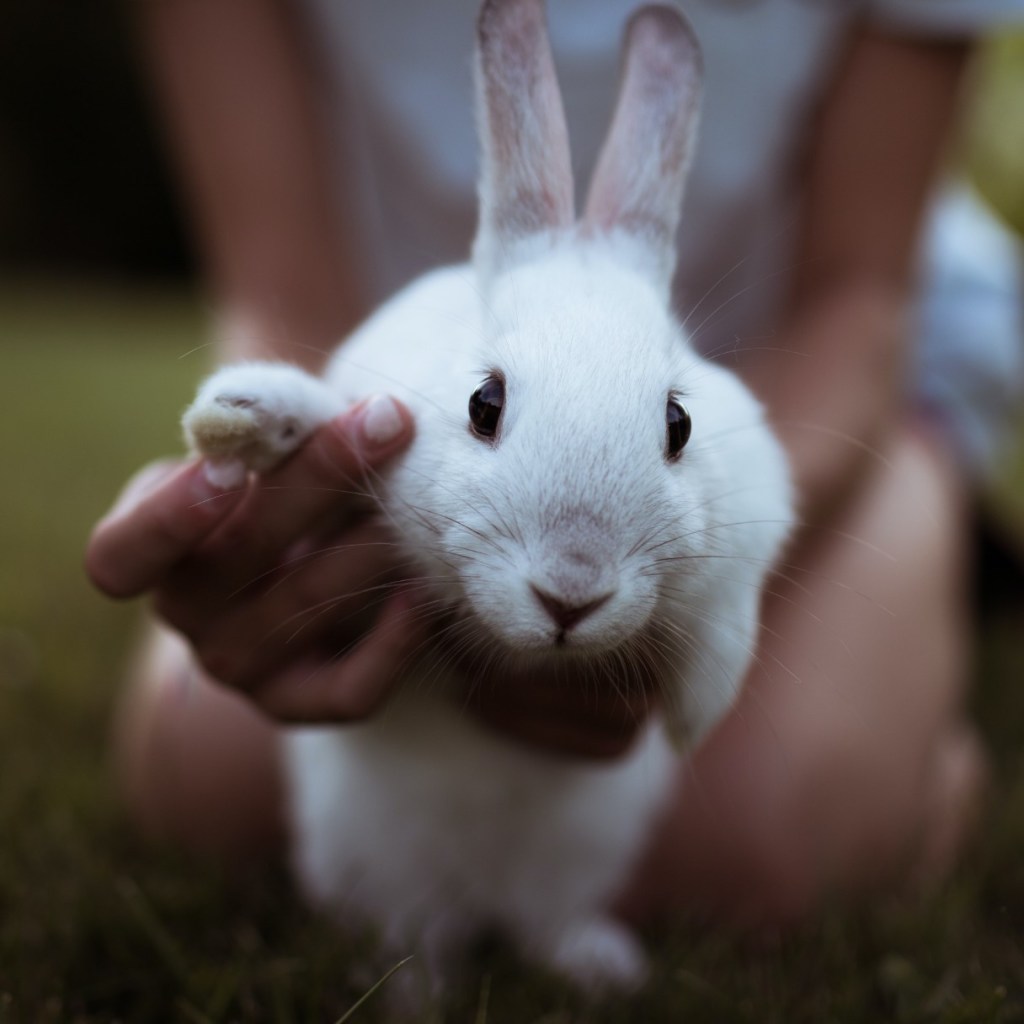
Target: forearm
x=834, y=383
x=238, y=96
x=834, y=388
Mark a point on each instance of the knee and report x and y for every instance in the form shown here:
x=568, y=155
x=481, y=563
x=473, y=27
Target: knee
x=813, y=788
x=845, y=825
x=196, y=767
x=835, y=822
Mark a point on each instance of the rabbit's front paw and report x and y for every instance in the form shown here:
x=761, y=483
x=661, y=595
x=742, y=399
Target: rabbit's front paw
x=600, y=955
x=249, y=417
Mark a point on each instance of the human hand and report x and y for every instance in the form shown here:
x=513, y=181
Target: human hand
x=271, y=583
x=567, y=713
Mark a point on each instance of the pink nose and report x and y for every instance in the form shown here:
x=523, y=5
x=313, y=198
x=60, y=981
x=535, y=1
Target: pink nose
x=564, y=614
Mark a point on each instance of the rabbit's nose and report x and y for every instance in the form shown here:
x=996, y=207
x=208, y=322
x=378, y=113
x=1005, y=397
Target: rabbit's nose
x=567, y=614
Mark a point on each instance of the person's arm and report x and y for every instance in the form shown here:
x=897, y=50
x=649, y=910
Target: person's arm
x=221, y=566
x=238, y=92
x=834, y=383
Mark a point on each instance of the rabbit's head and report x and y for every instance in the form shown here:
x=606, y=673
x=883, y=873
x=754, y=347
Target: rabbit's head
x=611, y=483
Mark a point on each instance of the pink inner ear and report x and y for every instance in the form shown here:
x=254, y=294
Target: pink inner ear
x=526, y=180
x=638, y=184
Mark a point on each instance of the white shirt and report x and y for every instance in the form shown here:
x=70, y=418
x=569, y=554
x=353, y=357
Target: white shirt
x=400, y=75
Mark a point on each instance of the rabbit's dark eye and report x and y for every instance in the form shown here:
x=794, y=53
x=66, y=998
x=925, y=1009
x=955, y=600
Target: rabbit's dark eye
x=678, y=424
x=485, y=405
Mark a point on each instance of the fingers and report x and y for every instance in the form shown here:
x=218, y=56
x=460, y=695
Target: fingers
x=144, y=481
x=326, y=477
x=237, y=572
x=245, y=592
x=166, y=511
x=355, y=685
x=320, y=598
x=562, y=719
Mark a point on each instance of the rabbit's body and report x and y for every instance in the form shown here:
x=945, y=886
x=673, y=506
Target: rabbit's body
x=569, y=531
x=431, y=831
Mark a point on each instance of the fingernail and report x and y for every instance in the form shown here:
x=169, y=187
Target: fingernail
x=209, y=485
x=382, y=422
x=154, y=473
x=224, y=476
x=146, y=480
x=407, y=606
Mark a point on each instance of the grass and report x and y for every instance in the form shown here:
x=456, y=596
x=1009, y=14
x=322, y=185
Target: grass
x=995, y=137
x=96, y=926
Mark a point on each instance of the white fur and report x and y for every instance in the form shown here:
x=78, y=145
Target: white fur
x=254, y=414
x=419, y=822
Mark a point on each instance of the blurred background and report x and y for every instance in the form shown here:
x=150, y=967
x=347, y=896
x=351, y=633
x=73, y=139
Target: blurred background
x=103, y=329
x=84, y=189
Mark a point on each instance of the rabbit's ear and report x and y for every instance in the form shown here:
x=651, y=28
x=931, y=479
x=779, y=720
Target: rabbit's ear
x=637, y=188
x=526, y=175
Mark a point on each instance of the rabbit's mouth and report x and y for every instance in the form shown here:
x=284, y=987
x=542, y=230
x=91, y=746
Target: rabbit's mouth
x=468, y=641
x=543, y=615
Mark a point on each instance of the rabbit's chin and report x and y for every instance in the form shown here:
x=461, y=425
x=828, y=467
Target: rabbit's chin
x=638, y=669
x=543, y=648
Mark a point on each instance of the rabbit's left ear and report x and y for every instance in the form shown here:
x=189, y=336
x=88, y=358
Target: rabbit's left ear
x=637, y=188
x=526, y=190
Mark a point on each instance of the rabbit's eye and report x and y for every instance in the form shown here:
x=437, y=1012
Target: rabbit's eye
x=485, y=405
x=678, y=424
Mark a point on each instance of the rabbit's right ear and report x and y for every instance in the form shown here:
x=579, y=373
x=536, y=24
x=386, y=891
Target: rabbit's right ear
x=526, y=190
x=637, y=189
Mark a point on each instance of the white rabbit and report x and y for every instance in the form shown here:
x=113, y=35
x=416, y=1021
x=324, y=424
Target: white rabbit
x=568, y=522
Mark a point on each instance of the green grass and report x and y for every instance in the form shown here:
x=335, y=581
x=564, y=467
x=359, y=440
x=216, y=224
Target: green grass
x=96, y=926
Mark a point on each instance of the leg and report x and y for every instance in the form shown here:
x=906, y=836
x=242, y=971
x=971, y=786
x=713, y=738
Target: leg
x=847, y=753
x=199, y=765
